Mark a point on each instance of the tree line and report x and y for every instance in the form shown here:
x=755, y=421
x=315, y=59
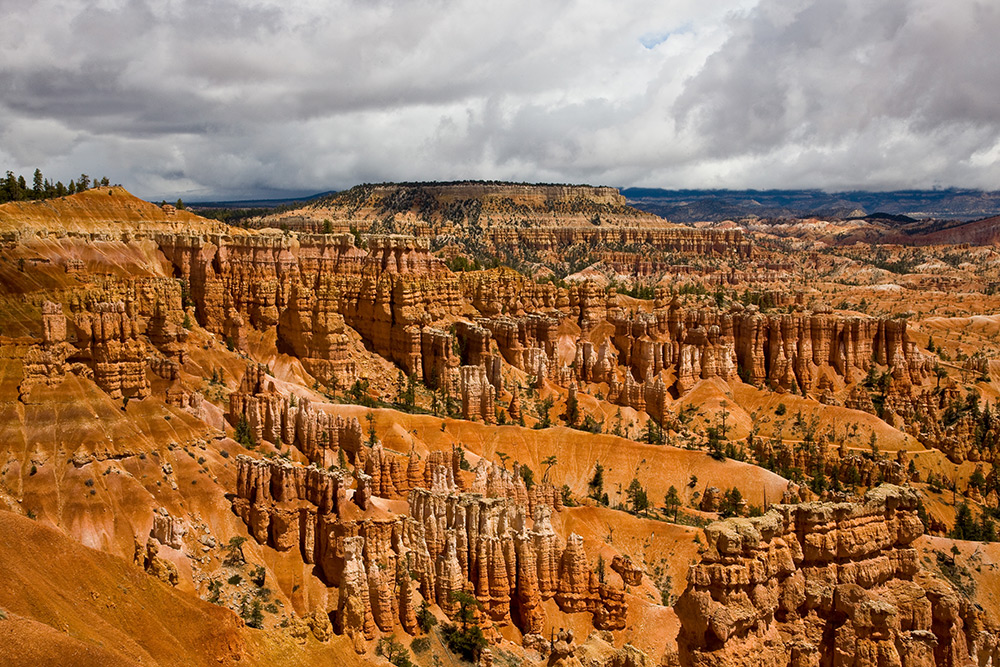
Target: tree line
x=15, y=188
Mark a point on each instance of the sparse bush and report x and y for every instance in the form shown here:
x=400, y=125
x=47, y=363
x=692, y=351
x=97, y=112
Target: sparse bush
x=252, y=612
x=467, y=641
x=425, y=619
x=234, y=551
x=234, y=580
x=214, y=590
x=393, y=651
x=244, y=435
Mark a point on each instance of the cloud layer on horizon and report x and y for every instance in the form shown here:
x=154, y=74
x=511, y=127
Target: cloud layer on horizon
x=223, y=98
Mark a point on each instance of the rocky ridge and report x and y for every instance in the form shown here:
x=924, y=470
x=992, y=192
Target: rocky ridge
x=384, y=565
x=826, y=583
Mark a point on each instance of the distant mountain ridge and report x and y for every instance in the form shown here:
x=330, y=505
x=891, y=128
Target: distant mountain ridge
x=694, y=205
x=714, y=205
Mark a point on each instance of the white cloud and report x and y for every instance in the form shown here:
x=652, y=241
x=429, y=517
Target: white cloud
x=228, y=98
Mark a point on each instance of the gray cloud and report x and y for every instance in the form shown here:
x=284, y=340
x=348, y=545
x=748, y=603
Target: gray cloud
x=227, y=98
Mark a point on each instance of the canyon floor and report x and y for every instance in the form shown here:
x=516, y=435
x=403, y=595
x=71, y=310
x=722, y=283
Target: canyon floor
x=436, y=424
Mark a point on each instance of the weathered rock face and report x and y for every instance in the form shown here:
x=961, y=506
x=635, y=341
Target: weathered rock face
x=310, y=287
x=109, y=343
x=167, y=530
x=668, y=238
x=630, y=573
x=272, y=417
x=45, y=362
x=823, y=583
x=785, y=351
x=478, y=395
x=147, y=557
x=447, y=542
x=527, y=343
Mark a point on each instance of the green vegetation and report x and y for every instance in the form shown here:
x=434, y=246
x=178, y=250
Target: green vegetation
x=968, y=528
x=425, y=619
x=15, y=188
x=234, y=551
x=595, y=487
x=637, y=497
x=672, y=502
x=251, y=611
x=244, y=435
x=466, y=639
x=393, y=651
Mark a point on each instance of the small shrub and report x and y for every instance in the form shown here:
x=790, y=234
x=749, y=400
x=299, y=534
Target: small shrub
x=234, y=551
x=244, y=435
x=420, y=645
x=234, y=580
x=780, y=410
x=251, y=612
x=214, y=590
x=393, y=651
x=425, y=619
x=465, y=642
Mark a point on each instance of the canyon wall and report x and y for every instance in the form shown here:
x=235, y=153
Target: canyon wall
x=495, y=543
x=826, y=584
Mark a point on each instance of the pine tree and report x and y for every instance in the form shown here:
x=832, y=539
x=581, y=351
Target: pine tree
x=672, y=501
x=38, y=184
x=637, y=496
x=596, y=484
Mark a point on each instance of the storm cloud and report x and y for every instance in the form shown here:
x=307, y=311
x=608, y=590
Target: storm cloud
x=219, y=98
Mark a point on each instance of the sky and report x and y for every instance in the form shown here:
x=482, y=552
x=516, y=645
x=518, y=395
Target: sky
x=219, y=99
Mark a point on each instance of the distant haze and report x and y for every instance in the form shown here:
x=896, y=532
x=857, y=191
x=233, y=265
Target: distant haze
x=223, y=99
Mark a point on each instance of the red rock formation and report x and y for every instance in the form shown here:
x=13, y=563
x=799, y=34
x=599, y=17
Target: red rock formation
x=574, y=577
x=147, y=557
x=46, y=363
x=630, y=573
x=354, y=610
x=822, y=583
x=478, y=395
x=166, y=336
x=278, y=419
x=310, y=287
x=449, y=542
x=790, y=352
x=670, y=238
x=167, y=530
x=109, y=343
